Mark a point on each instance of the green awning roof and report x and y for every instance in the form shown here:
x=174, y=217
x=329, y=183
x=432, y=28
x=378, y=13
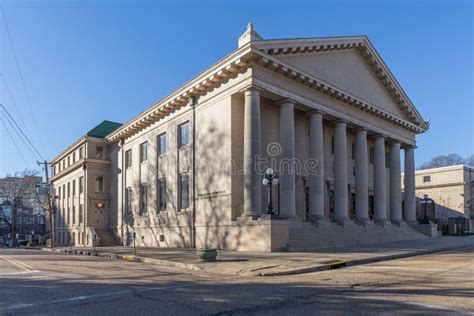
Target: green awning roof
x=103, y=129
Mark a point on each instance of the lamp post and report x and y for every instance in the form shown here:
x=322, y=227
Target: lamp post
x=270, y=180
x=425, y=201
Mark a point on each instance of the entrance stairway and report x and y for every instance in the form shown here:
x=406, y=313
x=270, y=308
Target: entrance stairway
x=324, y=234
x=106, y=238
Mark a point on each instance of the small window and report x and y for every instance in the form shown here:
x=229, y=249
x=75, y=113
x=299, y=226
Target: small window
x=161, y=195
x=128, y=159
x=143, y=152
x=128, y=200
x=99, y=152
x=162, y=144
x=183, y=191
x=426, y=179
x=81, y=185
x=81, y=152
x=371, y=155
x=183, y=135
x=143, y=198
x=99, y=184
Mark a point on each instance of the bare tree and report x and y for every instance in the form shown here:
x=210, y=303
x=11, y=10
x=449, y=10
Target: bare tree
x=18, y=191
x=443, y=161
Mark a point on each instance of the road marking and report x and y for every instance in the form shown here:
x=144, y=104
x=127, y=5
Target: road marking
x=91, y=297
x=441, y=308
x=19, y=273
x=17, y=263
x=410, y=268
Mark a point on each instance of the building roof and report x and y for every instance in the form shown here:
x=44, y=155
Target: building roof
x=254, y=49
x=103, y=129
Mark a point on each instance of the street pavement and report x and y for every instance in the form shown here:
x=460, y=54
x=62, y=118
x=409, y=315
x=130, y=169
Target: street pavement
x=36, y=282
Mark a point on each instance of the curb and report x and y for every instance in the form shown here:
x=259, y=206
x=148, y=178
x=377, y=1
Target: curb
x=129, y=258
x=351, y=263
x=335, y=264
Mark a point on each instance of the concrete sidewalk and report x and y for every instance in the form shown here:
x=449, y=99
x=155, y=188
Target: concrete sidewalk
x=278, y=263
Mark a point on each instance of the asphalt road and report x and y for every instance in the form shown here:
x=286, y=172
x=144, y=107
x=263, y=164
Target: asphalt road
x=35, y=282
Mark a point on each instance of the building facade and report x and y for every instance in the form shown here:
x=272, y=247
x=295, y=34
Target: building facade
x=325, y=114
x=452, y=190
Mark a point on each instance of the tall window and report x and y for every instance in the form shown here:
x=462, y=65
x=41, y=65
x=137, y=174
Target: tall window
x=73, y=214
x=332, y=145
x=68, y=189
x=162, y=144
x=143, y=198
x=68, y=161
x=143, y=152
x=183, y=191
x=353, y=151
x=73, y=187
x=183, y=134
x=128, y=159
x=81, y=185
x=387, y=160
x=81, y=152
x=68, y=215
x=99, y=152
x=128, y=200
x=73, y=157
x=372, y=155
x=161, y=195
x=81, y=213
x=99, y=184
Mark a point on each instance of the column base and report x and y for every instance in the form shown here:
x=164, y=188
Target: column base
x=288, y=216
x=343, y=221
x=270, y=217
x=398, y=222
x=411, y=223
x=382, y=222
x=362, y=221
x=316, y=219
x=250, y=216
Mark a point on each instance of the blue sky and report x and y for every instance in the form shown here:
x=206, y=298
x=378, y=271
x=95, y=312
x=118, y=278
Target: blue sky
x=86, y=61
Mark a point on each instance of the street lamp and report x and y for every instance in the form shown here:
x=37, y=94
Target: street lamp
x=425, y=201
x=270, y=180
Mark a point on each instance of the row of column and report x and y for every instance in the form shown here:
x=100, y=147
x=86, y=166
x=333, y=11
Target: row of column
x=252, y=179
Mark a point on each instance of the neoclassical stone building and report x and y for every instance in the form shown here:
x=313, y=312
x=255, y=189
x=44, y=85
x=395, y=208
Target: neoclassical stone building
x=326, y=114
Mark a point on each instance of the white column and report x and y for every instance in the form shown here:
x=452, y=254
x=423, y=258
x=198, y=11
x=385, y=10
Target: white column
x=395, y=183
x=287, y=174
x=340, y=172
x=380, y=203
x=409, y=213
x=316, y=174
x=361, y=176
x=252, y=180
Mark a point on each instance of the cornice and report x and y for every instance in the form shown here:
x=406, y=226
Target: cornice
x=304, y=78
x=225, y=68
x=365, y=49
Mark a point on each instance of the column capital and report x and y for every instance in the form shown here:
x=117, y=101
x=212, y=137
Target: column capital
x=379, y=136
x=361, y=129
x=286, y=102
x=316, y=112
x=339, y=121
x=408, y=146
x=250, y=89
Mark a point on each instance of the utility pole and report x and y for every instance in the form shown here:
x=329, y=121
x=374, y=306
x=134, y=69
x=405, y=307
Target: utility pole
x=51, y=206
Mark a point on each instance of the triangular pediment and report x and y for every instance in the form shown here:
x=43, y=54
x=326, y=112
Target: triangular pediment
x=347, y=71
x=349, y=64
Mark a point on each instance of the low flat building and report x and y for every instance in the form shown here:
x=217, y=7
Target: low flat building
x=325, y=114
x=451, y=189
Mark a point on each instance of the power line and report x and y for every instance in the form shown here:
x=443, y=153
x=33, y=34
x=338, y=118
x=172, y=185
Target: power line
x=21, y=79
x=35, y=156
x=14, y=142
x=14, y=103
x=18, y=128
